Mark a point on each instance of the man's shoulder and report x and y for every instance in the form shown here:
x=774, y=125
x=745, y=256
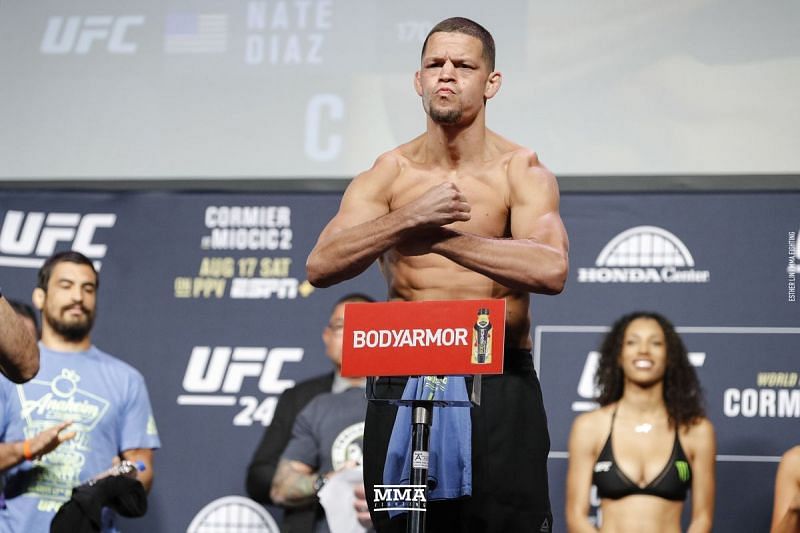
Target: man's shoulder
x=518, y=161
x=116, y=363
x=522, y=161
x=390, y=164
x=526, y=175
x=335, y=402
x=340, y=401
x=312, y=386
x=94, y=356
x=375, y=185
x=386, y=167
x=503, y=148
x=324, y=382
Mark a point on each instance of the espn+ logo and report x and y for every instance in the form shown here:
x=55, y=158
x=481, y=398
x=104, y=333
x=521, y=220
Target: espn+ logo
x=26, y=239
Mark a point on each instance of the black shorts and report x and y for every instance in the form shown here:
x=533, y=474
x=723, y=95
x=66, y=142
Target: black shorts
x=510, y=444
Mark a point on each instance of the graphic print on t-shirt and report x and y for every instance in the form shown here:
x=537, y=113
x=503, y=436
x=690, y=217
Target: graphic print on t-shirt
x=45, y=404
x=347, y=447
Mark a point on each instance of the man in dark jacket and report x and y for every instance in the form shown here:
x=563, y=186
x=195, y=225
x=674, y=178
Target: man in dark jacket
x=265, y=460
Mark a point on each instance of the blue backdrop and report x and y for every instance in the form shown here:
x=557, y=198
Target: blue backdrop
x=205, y=294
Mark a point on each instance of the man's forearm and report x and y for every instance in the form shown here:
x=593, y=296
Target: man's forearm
x=520, y=264
x=19, y=354
x=146, y=479
x=293, y=489
x=349, y=252
x=11, y=454
x=145, y=456
x=790, y=523
x=259, y=482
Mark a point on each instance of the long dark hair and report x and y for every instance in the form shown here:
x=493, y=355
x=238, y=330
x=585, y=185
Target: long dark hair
x=683, y=395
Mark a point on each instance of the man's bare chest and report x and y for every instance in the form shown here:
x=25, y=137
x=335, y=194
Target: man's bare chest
x=486, y=193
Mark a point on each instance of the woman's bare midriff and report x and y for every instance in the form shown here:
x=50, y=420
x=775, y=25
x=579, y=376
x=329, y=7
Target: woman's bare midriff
x=641, y=514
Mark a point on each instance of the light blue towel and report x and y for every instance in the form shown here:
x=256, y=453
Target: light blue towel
x=450, y=459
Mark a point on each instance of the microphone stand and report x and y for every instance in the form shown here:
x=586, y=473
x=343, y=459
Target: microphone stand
x=422, y=417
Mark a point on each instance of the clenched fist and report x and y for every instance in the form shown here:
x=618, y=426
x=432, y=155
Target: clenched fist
x=438, y=206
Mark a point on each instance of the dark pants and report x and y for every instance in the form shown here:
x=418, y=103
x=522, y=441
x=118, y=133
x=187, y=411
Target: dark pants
x=510, y=444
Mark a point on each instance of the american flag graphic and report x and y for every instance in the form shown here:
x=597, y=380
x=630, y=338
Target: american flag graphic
x=191, y=33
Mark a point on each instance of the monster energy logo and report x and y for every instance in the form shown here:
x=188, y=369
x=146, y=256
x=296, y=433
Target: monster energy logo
x=683, y=471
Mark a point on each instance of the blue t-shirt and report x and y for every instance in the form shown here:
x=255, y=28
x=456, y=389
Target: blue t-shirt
x=107, y=401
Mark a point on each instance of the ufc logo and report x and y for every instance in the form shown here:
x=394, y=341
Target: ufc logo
x=39, y=233
x=224, y=369
x=64, y=35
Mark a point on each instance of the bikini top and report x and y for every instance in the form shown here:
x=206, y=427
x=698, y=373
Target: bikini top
x=672, y=483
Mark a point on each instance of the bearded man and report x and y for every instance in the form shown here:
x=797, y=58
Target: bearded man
x=84, y=410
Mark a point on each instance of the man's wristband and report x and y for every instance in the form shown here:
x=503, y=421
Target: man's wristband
x=26, y=450
x=319, y=482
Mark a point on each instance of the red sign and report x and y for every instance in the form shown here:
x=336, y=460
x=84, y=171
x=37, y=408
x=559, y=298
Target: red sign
x=455, y=337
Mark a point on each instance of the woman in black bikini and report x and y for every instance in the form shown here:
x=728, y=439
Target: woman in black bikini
x=649, y=441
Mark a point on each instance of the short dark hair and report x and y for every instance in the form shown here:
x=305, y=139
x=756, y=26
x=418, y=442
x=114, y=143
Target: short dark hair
x=63, y=257
x=683, y=396
x=467, y=27
x=25, y=310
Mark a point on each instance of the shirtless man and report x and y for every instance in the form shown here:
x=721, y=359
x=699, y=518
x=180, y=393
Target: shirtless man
x=461, y=213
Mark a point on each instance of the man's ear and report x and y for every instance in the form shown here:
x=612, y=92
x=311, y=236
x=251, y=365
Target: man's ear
x=417, y=84
x=326, y=335
x=38, y=298
x=493, y=84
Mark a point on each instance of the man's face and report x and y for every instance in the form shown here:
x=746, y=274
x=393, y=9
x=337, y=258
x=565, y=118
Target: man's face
x=332, y=335
x=454, y=79
x=68, y=305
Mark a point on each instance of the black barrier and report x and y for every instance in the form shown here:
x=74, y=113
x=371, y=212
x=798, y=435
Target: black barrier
x=205, y=294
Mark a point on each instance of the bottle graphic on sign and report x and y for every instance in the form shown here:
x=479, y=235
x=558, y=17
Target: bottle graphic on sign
x=482, y=339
